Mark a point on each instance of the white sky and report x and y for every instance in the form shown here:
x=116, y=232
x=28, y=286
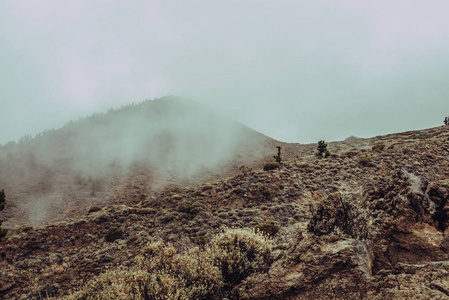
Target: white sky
x=298, y=71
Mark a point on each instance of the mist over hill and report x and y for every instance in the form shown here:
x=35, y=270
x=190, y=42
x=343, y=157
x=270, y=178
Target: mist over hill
x=165, y=141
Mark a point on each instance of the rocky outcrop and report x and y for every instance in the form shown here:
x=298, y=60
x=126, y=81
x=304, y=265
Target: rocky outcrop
x=389, y=241
x=316, y=267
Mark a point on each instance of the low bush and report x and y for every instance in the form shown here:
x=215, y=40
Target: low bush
x=351, y=154
x=268, y=227
x=94, y=209
x=261, y=193
x=365, y=160
x=378, y=148
x=271, y=166
x=113, y=233
x=239, y=253
x=115, y=284
x=192, y=275
x=331, y=216
x=191, y=207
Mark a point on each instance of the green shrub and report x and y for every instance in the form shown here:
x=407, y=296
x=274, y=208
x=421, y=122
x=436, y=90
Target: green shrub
x=261, y=193
x=192, y=275
x=271, y=166
x=239, y=253
x=269, y=227
x=113, y=233
x=378, y=148
x=365, y=160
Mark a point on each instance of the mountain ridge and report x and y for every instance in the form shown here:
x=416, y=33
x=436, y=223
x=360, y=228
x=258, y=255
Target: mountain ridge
x=169, y=140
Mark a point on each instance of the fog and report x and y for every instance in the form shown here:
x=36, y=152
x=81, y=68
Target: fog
x=176, y=135
x=298, y=71
x=168, y=141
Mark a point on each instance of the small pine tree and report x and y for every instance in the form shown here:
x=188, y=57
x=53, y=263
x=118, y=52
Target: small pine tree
x=3, y=232
x=278, y=157
x=322, y=150
x=446, y=121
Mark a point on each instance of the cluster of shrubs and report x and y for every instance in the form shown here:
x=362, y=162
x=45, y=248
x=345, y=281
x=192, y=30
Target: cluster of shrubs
x=163, y=273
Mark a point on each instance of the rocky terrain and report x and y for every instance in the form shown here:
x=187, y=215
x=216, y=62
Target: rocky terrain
x=369, y=222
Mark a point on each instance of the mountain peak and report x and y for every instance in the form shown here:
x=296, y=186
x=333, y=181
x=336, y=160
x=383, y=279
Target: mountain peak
x=172, y=140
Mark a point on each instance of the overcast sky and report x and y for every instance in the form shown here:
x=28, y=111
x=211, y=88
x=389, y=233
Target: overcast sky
x=298, y=71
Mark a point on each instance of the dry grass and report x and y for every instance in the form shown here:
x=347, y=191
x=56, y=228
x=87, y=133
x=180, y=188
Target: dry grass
x=161, y=272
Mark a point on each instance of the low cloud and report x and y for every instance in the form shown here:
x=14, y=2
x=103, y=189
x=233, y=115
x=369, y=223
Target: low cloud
x=292, y=70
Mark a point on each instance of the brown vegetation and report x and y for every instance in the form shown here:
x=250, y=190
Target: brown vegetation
x=346, y=230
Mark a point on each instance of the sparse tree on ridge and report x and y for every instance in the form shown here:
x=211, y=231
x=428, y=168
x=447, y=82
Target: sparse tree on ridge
x=322, y=150
x=446, y=121
x=3, y=232
x=278, y=157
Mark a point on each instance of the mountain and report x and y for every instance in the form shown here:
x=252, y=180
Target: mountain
x=169, y=141
x=371, y=221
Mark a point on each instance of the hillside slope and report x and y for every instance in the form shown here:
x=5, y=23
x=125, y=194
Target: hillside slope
x=168, y=141
x=369, y=223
